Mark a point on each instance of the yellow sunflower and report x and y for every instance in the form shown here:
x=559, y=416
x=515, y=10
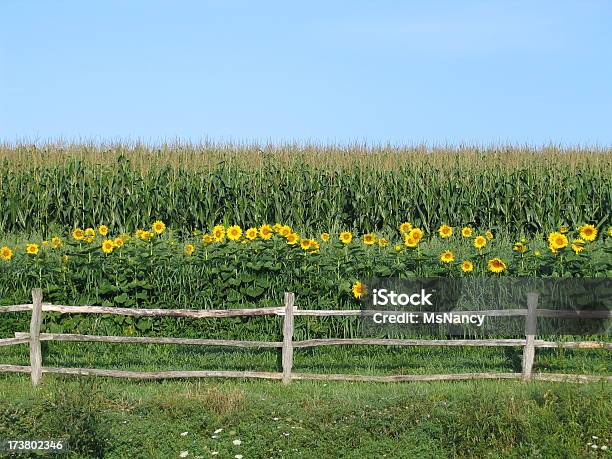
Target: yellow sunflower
x=234, y=233
x=108, y=245
x=218, y=233
x=466, y=231
x=265, y=232
x=416, y=234
x=577, y=246
x=31, y=249
x=189, y=249
x=447, y=256
x=405, y=227
x=6, y=253
x=56, y=242
x=467, y=266
x=285, y=231
x=251, y=234
x=409, y=241
x=369, y=238
x=496, y=265
x=89, y=235
x=207, y=239
x=358, y=289
x=78, y=234
x=293, y=238
x=324, y=237
x=563, y=229
x=118, y=242
x=480, y=242
x=588, y=232
x=445, y=231
x=382, y=242
x=489, y=235
x=397, y=248
x=305, y=244
x=520, y=247
x=277, y=228
x=346, y=237
x=557, y=241
x=158, y=226
x=103, y=230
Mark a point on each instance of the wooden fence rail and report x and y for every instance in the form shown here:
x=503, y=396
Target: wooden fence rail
x=288, y=312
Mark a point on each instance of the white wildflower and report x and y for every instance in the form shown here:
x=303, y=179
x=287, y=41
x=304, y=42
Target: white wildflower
x=237, y=442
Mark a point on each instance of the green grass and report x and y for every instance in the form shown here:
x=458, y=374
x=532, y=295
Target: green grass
x=117, y=419
x=332, y=359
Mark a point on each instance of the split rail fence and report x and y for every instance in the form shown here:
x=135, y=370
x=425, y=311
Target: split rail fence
x=288, y=312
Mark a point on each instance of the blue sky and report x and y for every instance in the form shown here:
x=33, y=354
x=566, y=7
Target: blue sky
x=337, y=71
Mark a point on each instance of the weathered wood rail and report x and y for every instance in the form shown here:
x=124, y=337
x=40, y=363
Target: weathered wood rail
x=288, y=312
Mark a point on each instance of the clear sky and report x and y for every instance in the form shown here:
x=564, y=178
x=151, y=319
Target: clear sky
x=328, y=71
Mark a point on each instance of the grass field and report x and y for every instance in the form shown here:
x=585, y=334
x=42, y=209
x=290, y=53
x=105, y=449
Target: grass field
x=254, y=419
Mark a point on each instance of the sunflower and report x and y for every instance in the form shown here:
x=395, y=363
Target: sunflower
x=489, y=235
x=277, y=228
x=563, y=229
x=480, y=242
x=467, y=266
x=466, y=231
x=158, y=226
x=369, y=238
x=397, y=248
x=409, y=241
x=78, y=234
x=285, y=231
x=103, y=230
x=31, y=249
x=89, y=235
x=324, y=237
x=189, y=249
x=577, y=246
x=56, y=242
x=588, y=232
x=447, y=257
x=218, y=233
x=145, y=235
x=293, y=238
x=108, y=245
x=520, y=247
x=314, y=246
x=405, y=227
x=118, y=242
x=234, y=233
x=346, y=237
x=557, y=241
x=207, y=239
x=382, y=242
x=609, y=231
x=305, y=244
x=358, y=289
x=251, y=234
x=496, y=265
x=6, y=253
x=265, y=231
x=445, y=231
x=416, y=234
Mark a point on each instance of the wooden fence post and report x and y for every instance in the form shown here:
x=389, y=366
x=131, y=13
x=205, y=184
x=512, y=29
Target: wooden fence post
x=35, y=351
x=287, y=353
x=531, y=321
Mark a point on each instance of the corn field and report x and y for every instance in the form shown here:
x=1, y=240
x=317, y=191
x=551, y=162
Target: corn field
x=519, y=190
